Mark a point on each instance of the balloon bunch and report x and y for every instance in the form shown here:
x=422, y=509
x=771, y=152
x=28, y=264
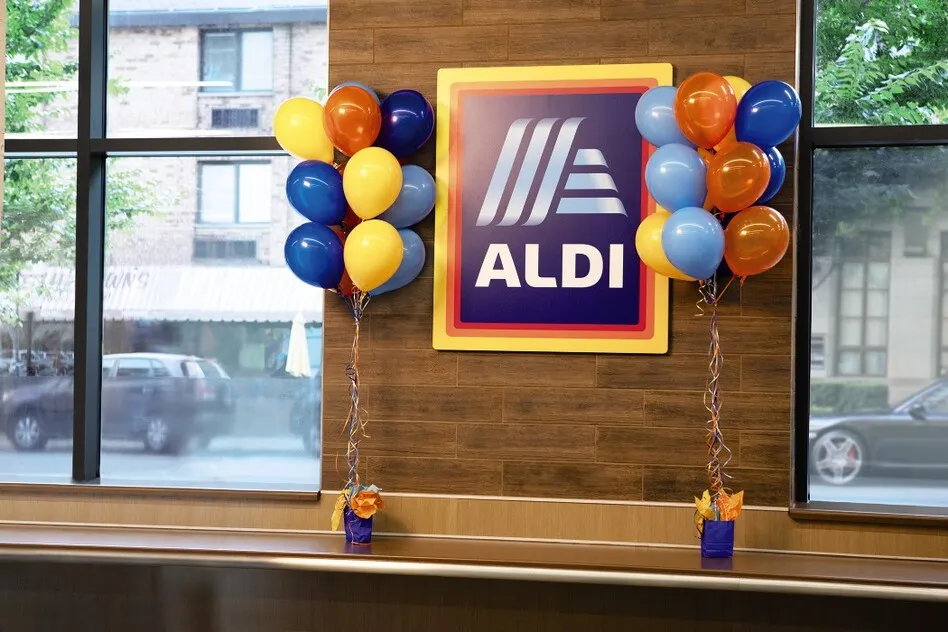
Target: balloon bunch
x=357, y=240
x=716, y=154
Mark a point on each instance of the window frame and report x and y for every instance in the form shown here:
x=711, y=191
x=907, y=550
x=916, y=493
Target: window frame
x=238, y=88
x=811, y=138
x=91, y=148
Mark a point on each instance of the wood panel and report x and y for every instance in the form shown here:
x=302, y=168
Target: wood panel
x=567, y=426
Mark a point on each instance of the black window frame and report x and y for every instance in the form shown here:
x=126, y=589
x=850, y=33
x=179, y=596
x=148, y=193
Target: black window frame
x=238, y=34
x=811, y=138
x=91, y=148
x=235, y=220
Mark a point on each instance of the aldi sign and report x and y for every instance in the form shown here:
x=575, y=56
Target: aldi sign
x=541, y=187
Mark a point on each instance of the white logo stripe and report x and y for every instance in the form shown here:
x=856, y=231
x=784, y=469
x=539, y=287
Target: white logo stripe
x=505, y=163
x=554, y=171
x=590, y=182
x=528, y=172
x=590, y=206
x=589, y=158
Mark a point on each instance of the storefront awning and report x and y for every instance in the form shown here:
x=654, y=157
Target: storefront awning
x=177, y=293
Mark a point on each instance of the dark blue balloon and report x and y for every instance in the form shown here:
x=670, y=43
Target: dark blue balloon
x=768, y=114
x=314, y=189
x=407, y=122
x=778, y=173
x=314, y=254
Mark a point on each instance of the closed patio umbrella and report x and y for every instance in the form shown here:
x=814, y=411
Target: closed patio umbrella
x=297, y=355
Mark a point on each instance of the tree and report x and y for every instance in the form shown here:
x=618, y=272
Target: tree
x=39, y=196
x=883, y=62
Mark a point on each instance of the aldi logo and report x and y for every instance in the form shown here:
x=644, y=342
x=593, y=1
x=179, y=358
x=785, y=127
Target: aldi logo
x=540, y=191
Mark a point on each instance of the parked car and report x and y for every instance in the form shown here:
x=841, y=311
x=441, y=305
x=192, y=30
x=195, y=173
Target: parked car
x=912, y=436
x=163, y=400
x=306, y=419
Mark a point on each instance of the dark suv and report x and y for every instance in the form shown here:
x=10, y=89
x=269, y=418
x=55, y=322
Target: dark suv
x=163, y=400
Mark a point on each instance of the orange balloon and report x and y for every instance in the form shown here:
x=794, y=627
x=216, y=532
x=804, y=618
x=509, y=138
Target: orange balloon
x=737, y=177
x=729, y=141
x=352, y=118
x=705, y=108
x=756, y=239
x=346, y=286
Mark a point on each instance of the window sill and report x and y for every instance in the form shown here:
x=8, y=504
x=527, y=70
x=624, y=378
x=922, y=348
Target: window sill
x=65, y=486
x=487, y=559
x=869, y=514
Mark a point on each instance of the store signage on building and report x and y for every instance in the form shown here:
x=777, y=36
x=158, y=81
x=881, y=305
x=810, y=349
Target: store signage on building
x=540, y=191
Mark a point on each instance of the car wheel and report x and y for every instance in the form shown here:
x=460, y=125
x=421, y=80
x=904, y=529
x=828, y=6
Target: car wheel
x=159, y=438
x=26, y=431
x=838, y=457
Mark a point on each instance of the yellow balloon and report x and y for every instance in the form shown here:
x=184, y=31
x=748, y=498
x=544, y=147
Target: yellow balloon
x=372, y=182
x=740, y=85
x=648, y=243
x=298, y=127
x=372, y=253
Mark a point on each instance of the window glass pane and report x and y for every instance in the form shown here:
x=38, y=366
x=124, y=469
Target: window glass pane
x=213, y=67
x=881, y=63
x=42, y=59
x=221, y=412
x=256, y=61
x=255, y=193
x=37, y=301
x=866, y=445
x=218, y=183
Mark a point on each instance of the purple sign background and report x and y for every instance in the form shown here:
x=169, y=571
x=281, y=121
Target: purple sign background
x=609, y=127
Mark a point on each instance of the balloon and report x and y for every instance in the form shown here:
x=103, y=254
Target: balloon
x=756, y=240
x=768, y=114
x=352, y=118
x=655, y=117
x=407, y=122
x=298, y=127
x=676, y=177
x=373, y=253
x=413, y=260
x=416, y=200
x=705, y=107
x=351, y=220
x=737, y=177
x=314, y=189
x=346, y=287
x=778, y=172
x=372, y=182
x=740, y=85
x=693, y=241
x=357, y=84
x=315, y=255
x=648, y=243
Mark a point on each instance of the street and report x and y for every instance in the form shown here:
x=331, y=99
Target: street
x=266, y=463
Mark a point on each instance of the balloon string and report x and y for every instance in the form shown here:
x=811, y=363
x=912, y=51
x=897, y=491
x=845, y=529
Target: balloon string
x=719, y=455
x=355, y=423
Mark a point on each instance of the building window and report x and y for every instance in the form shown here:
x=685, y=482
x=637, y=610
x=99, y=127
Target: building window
x=234, y=193
x=237, y=61
x=225, y=250
x=872, y=154
x=863, y=308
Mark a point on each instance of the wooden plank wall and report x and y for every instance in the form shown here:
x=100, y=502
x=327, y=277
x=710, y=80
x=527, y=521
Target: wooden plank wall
x=573, y=426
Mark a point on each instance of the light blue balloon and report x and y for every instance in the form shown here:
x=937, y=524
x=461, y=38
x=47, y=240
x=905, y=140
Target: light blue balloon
x=357, y=84
x=413, y=260
x=416, y=200
x=676, y=177
x=655, y=117
x=693, y=241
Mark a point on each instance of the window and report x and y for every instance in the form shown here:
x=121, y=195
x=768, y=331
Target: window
x=237, y=61
x=191, y=391
x=235, y=193
x=872, y=159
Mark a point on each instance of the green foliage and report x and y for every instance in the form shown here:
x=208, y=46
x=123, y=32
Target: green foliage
x=846, y=397
x=39, y=214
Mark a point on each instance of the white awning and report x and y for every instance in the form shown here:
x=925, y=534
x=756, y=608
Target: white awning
x=178, y=293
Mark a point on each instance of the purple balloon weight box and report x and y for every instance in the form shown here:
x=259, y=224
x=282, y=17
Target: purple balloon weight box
x=717, y=538
x=358, y=530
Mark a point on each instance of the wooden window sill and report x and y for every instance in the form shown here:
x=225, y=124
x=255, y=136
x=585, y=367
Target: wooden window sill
x=487, y=559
